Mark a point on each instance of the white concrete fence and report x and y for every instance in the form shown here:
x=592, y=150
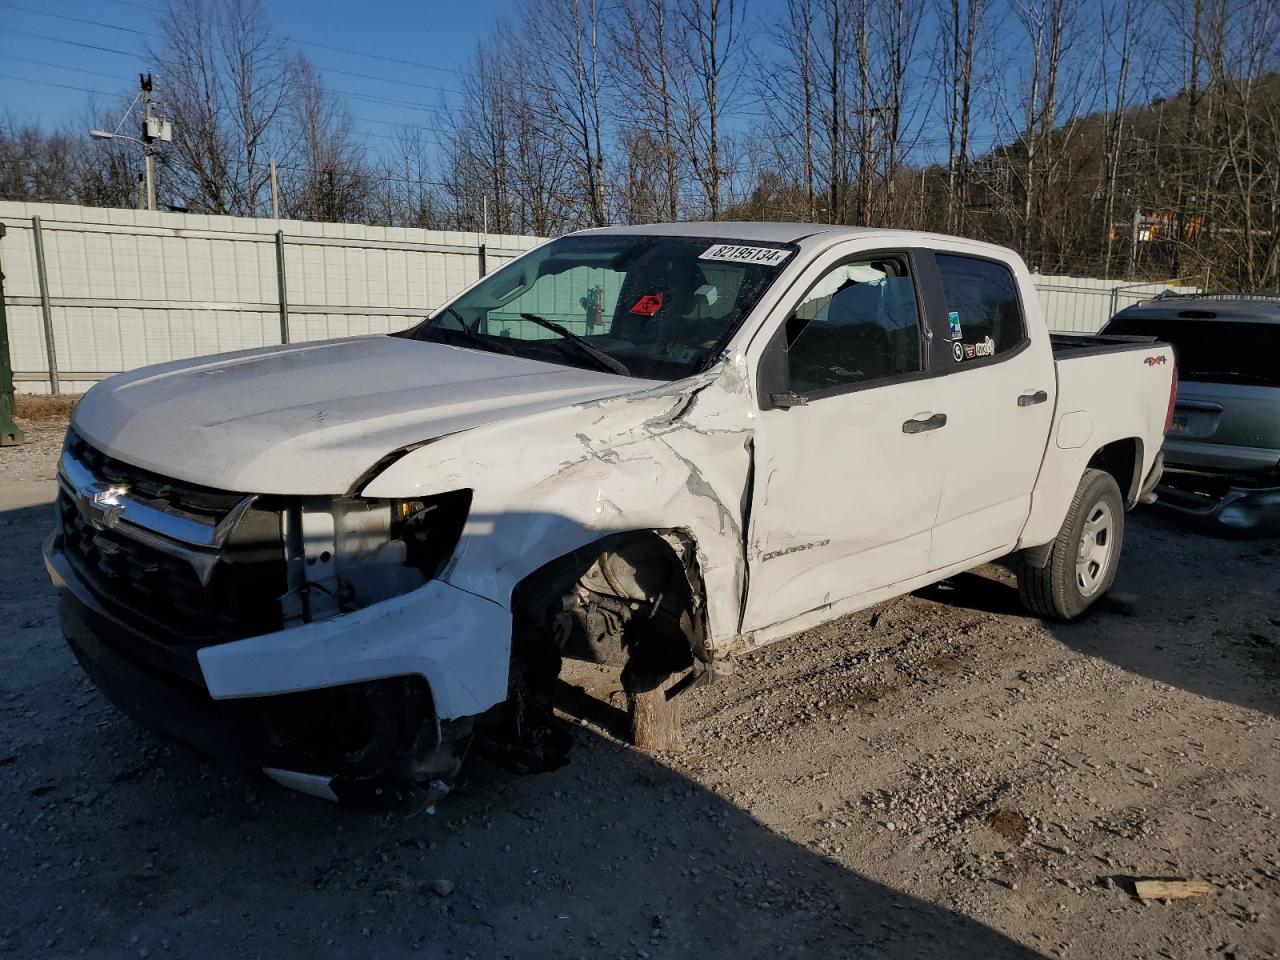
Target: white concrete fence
x=103, y=290
x=97, y=290
x=1084, y=304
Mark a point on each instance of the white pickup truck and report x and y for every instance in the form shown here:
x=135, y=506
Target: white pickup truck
x=656, y=446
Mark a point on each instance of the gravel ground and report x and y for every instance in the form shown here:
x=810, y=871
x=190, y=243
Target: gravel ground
x=938, y=776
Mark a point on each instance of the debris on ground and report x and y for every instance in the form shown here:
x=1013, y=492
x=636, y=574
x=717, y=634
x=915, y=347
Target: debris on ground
x=942, y=776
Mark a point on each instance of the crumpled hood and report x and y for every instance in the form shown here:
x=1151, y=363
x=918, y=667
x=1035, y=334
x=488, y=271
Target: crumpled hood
x=312, y=418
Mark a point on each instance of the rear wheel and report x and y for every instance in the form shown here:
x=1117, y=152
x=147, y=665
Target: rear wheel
x=1083, y=560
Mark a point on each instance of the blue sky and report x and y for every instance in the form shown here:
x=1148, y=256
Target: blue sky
x=53, y=51
x=395, y=60
x=42, y=43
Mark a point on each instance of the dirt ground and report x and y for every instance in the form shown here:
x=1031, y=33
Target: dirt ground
x=939, y=776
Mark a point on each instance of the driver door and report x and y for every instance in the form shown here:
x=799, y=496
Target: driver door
x=845, y=491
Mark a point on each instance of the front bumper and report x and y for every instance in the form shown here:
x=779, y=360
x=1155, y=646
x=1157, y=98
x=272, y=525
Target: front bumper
x=341, y=708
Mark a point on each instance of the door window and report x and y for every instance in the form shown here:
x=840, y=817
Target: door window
x=983, y=310
x=858, y=324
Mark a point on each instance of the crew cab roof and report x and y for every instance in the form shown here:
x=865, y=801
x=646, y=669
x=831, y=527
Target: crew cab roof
x=792, y=232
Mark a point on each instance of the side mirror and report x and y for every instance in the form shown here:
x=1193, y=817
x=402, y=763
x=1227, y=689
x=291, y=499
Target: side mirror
x=773, y=377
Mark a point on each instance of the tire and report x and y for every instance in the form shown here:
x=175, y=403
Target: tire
x=1084, y=556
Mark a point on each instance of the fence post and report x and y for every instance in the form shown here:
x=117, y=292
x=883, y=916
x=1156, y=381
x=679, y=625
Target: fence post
x=283, y=287
x=10, y=435
x=46, y=311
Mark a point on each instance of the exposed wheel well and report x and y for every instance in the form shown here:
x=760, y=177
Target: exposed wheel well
x=635, y=599
x=1123, y=460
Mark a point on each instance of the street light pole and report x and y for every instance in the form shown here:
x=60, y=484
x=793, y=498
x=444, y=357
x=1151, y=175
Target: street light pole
x=153, y=129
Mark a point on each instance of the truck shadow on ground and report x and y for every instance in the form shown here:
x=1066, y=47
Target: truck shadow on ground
x=121, y=843
x=1159, y=621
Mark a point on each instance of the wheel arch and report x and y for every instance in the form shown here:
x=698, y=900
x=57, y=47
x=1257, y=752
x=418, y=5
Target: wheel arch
x=586, y=597
x=1122, y=459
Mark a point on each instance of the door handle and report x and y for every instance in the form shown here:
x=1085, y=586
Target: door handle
x=935, y=422
x=1031, y=399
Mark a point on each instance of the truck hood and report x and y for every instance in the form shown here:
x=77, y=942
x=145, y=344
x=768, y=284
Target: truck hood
x=313, y=418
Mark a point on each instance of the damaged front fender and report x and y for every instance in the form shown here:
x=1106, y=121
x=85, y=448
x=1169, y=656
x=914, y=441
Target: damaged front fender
x=676, y=457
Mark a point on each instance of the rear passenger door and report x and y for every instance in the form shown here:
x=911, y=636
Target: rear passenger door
x=998, y=390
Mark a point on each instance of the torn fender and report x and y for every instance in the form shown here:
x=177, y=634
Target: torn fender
x=671, y=458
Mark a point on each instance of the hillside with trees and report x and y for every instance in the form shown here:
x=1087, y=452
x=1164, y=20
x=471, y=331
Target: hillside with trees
x=1125, y=139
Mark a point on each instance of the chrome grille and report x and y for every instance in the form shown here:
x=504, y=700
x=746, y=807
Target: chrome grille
x=184, y=565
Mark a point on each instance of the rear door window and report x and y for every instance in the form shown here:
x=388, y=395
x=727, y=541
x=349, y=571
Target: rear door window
x=984, y=313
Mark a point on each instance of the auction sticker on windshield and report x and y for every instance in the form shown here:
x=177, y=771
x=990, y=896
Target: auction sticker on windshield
x=766, y=256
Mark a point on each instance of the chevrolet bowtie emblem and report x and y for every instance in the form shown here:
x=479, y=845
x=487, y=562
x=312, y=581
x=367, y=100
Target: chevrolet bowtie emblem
x=104, y=507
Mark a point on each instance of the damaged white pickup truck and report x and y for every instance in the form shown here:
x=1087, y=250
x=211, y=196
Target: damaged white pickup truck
x=659, y=446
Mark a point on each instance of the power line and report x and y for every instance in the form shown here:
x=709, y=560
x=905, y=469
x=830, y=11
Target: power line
x=398, y=124
x=156, y=36
x=51, y=83
x=305, y=43
x=407, y=83
x=374, y=56
x=387, y=101
x=91, y=23
x=77, y=43
x=298, y=168
x=384, y=101
x=65, y=66
x=140, y=6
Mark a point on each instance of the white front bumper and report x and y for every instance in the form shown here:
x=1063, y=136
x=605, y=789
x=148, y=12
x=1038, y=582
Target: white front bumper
x=458, y=642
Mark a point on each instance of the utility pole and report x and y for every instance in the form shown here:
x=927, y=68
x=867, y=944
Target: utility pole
x=1133, y=243
x=153, y=129
x=10, y=435
x=275, y=191
x=150, y=132
x=483, y=250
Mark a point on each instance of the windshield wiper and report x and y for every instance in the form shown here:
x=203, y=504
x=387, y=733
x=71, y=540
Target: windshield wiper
x=472, y=336
x=602, y=360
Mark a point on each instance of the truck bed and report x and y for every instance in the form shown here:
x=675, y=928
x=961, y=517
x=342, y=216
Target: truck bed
x=1068, y=346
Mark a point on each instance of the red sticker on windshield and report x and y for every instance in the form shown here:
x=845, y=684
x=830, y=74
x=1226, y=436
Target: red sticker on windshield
x=647, y=305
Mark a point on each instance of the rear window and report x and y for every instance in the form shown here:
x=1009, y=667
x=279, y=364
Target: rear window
x=983, y=310
x=1213, y=351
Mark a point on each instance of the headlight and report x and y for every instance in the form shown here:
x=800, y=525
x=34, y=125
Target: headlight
x=349, y=552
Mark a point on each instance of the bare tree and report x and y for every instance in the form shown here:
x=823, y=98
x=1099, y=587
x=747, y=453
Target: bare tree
x=787, y=92
x=565, y=43
x=65, y=166
x=406, y=194
x=1047, y=25
x=1121, y=27
x=641, y=43
x=226, y=79
x=961, y=23
x=327, y=178
x=894, y=30
x=712, y=43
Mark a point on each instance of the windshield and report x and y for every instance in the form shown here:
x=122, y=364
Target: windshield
x=655, y=307
x=1213, y=351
